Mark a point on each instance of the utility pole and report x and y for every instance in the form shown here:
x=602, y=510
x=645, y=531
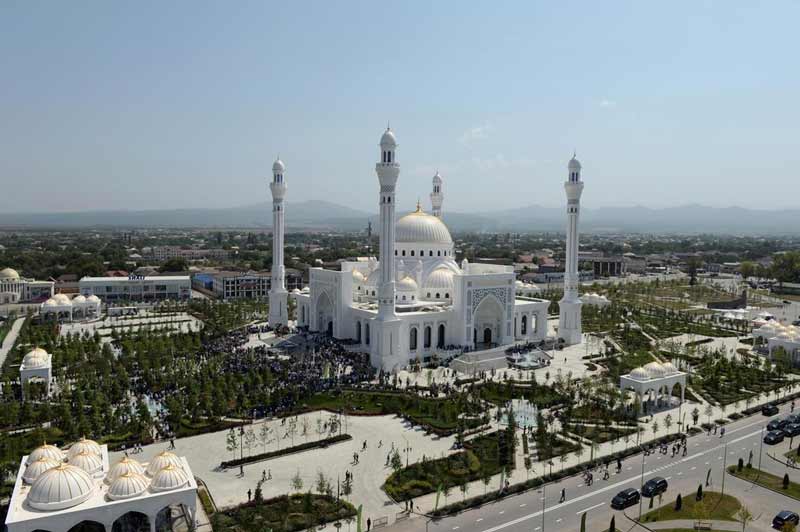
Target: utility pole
x=544, y=502
x=724, y=463
x=641, y=486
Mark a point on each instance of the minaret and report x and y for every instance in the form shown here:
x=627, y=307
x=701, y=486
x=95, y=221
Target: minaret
x=388, y=328
x=569, y=316
x=437, y=196
x=278, y=313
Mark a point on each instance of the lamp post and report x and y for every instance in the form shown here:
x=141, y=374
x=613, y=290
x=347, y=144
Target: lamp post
x=761, y=448
x=641, y=486
x=544, y=502
x=724, y=470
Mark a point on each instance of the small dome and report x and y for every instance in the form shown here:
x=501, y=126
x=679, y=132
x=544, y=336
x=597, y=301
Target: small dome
x=61, y=487
x=784, y=336
x=639, y=374
x=82, y=445
x=278, y=167
x=406, y=284
x=34, y=469
x=93, y=299
x=36, y=358
x=9, y=274
x=358, y=277
x=388, y=139
x=61, y=299
x=439, y=279
x=46, y=451
x=422, y=228
x=574, y=163
x=669, y=368
x=50, y=303
x=88, y=461
x=127, y=485
x=162, y=460
x=125, y=465
x=79, y=300
x=169, y=478
x=654, y=369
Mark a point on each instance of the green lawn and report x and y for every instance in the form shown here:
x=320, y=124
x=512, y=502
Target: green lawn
x=542, y=395
x=600, y=434
x=767, y=480
x=722, y=508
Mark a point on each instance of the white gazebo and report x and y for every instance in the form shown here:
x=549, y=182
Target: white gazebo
x=595, y=299
x=654, y=381
x=38, y=365
x=86, y=307
x=57, y=306
x=57, y=490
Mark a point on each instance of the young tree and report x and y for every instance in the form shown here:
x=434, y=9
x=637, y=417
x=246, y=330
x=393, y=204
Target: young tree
x=464, y=487
x=296, y=482
x=709, y=411
x=668, y=422
x=232, y=442
x=486, y=479
x=744, y=516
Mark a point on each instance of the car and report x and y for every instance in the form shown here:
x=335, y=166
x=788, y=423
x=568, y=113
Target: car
x=777, y=424
x=769, y=409
x=792, y=430
x=784, y=517
x=792, y=418
x=654, y=486
x=625, y=498
x=774, y=437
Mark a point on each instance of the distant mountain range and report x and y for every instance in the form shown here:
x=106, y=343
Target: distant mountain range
x=324, y=215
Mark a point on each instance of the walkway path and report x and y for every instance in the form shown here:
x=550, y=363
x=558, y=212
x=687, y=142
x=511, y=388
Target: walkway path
x=10, y=339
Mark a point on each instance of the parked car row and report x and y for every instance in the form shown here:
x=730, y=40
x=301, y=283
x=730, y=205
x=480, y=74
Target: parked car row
x=780, y=428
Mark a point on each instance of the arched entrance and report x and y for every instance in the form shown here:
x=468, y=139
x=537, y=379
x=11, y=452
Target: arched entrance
x=440, y=337
x=358, y=332
x=488, y=320
x=88, y=526
x=325, y=313
x=131, y=522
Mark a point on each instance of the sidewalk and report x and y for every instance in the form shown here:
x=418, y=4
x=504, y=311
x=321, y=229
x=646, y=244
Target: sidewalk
x=10, y=339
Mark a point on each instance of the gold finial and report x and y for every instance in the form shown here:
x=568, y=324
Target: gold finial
x=419, y=206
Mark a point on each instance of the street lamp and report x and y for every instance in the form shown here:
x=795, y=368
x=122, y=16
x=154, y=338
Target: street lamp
x=544, y=502
x=724, y=463
x=641, y=486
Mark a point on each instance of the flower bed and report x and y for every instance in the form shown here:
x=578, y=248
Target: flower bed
x=283, y=452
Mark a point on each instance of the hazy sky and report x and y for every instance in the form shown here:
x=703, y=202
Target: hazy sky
x=186, y=104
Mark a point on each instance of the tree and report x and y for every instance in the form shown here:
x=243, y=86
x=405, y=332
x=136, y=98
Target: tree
x=263, y=435
x=297, y=482
x=396, y=461
x=464, y=487
x=232, y=442
x=654, y=428
x=323, y=485
x=486, y=479
x=709, y=411
x=175, y=264
x=744, y=516
x=668, y=422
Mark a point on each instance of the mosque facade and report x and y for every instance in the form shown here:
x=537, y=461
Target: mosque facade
x=415, y=301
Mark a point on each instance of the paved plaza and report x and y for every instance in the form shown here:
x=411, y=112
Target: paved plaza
x=178, y=322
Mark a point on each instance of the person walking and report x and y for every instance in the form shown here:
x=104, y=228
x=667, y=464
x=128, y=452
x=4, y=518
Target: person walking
x=563, y=495
x=369, y=524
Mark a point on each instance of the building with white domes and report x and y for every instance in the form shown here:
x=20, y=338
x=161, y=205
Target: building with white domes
x=37, y=365
x=17, y=289
x=414, y=301
x=61, y=491
x=655, y=383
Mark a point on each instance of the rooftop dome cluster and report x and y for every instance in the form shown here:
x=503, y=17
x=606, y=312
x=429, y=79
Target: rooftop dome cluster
x=57, y=484
x=36, y=358
x=594, y=298
x=653, y=370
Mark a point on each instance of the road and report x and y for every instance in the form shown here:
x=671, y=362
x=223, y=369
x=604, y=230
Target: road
x=525, y=512
x=10, y=339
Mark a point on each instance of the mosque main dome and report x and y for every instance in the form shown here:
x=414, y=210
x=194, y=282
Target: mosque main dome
x=422, y=228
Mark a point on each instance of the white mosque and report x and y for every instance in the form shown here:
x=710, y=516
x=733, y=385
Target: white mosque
x=415, y=301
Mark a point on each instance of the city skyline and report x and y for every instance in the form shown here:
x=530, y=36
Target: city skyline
x=665, y=107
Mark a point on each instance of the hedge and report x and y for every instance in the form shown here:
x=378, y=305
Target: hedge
x=282, y=452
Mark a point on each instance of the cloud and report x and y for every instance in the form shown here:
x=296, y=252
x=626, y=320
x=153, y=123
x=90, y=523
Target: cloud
x=475, y=133
x=607, y=103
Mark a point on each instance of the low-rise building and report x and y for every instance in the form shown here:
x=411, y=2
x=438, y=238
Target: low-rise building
x=137, y=287
x=165, y=253
x=17, y=289
x=246, y=285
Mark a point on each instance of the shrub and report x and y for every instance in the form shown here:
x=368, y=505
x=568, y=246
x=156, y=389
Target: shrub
x=699, y=496
x=786, y=481
x=678, y=503
x=740, y=465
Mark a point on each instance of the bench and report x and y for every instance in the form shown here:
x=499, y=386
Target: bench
x=702, y=525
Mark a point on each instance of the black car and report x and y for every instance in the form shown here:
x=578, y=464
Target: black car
x=774, y=437
x=654, y=486
x=785, y=517
x=792, y=418
x=769, y=410
x=625, y=498
x=792, y=429
x=777, y=424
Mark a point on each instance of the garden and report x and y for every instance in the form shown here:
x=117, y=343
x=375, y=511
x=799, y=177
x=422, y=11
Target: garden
x=482, y=457
x=287, y=513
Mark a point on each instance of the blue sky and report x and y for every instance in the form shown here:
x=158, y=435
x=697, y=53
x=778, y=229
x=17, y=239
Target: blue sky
x=186, y=104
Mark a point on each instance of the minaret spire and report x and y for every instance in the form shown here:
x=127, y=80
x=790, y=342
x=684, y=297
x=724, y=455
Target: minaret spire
x=569, y=318
x=437, y=195
x=278, y=308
